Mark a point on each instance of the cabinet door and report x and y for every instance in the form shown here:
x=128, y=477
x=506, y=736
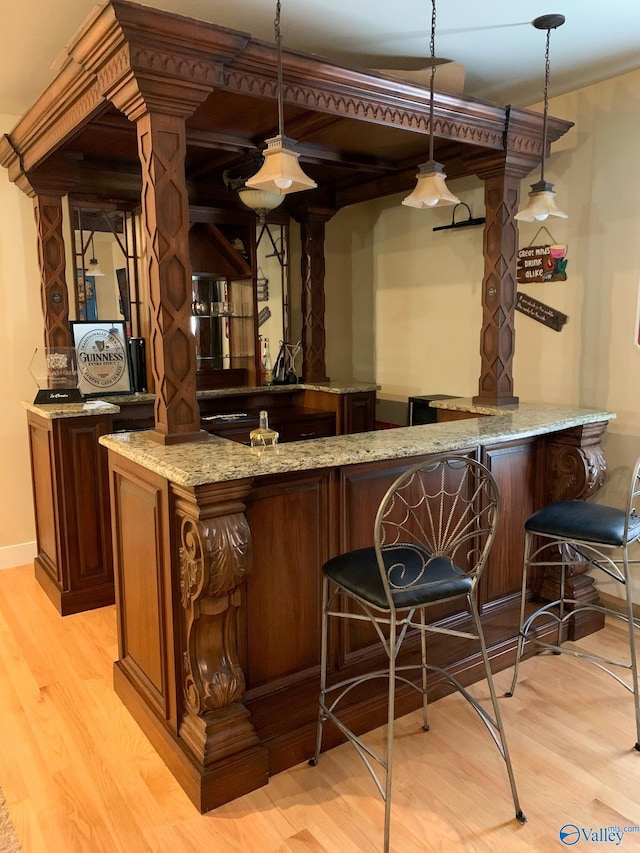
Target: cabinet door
x=516, y=469
x=359, y=412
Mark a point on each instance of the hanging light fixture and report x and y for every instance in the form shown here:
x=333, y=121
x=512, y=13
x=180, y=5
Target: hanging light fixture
x=280, y=172
x=431, y=188
x=94, y=267
x=260, y=201
x=541, y=203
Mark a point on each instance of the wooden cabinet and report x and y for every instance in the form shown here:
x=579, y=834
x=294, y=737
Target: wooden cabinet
x=73, y=521
x=355, y=412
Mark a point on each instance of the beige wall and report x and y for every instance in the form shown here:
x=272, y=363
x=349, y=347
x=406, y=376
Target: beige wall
x=20, y=334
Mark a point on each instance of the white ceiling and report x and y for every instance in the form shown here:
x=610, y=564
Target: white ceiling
x=503, y=54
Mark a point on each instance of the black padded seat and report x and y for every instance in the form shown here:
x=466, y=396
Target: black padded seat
x=358, y=572
x=583, y=521
x=563, y=541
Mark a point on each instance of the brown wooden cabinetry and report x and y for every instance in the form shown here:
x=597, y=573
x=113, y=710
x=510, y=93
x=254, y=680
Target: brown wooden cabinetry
x=247, y=557
x=73, y=522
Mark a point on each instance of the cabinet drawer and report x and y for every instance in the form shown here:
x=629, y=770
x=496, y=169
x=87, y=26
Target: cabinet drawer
x=311, y=426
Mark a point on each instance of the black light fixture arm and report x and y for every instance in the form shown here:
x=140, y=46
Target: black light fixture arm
x=278, y=34
x=432, y=50
x=548, y=23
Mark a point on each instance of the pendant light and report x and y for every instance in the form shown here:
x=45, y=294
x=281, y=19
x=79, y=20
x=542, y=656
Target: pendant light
x=94, y=267
x=431, y=188
x=280, y=172
x=261, y=202
x=541, y=204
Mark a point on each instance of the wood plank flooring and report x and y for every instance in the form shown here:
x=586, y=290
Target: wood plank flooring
x=78, y=774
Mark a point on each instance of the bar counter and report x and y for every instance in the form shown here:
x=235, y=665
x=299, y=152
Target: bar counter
x=219, y=460
x=218, y=554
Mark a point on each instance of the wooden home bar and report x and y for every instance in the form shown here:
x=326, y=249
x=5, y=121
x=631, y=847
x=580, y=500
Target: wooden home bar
x=217, y=550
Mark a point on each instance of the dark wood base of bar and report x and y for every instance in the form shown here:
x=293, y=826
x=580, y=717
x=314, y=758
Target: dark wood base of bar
x=67, y=602
x=208, y=787
x=292, y=743
x=219, y=591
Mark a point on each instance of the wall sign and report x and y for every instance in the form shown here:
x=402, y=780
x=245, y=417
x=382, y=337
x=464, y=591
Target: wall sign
x=101, y=353
x=542, y=263
x=539, y=311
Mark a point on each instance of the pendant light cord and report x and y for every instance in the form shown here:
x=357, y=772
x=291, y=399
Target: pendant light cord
x=276, y=25
x=432, y=50
x=547, y=70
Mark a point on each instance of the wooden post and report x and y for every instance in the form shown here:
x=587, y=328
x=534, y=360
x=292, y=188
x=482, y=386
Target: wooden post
x=312, y=234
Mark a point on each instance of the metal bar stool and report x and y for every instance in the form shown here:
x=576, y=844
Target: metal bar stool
x=433, y=532
x=579, y=533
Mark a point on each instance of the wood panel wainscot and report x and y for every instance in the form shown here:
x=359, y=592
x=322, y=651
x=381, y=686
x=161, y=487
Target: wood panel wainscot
x=218, y=558
x=69, y=473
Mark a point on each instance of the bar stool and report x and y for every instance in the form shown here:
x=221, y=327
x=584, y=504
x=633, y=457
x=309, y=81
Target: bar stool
x=575, y=533
x=432, y=535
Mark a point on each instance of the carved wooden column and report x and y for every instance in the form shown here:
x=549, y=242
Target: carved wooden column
x=500, y=247
x=165, y=215
x=214, y=559
x=51, y=259
x=575, y=470
x=312, y=233
x=47, y=186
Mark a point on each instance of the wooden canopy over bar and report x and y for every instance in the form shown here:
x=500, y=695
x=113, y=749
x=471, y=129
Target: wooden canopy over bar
x=154, y=107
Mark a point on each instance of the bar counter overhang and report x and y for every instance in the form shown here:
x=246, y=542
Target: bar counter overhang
x=218, y=555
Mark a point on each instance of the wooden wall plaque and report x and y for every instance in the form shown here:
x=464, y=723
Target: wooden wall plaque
x=539, y=311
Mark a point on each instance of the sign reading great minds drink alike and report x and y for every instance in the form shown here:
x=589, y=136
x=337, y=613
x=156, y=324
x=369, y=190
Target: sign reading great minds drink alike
x=101, y=352
x=542, y=263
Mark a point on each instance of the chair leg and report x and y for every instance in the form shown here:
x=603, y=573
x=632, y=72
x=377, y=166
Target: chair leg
x=523, y=601
x=423, y=659
x=391, y=713
x=632, y=647
x=323, y=671
x=520, y=816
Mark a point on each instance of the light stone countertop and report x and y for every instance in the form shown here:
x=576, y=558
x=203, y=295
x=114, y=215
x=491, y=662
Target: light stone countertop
x=51, y=411
x=218, y=459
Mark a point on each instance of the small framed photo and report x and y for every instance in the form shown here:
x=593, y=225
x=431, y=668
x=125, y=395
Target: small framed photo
x=101, y=354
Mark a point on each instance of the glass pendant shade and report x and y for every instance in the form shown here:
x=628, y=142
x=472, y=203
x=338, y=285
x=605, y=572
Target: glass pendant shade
x=94, y=268
x=280, y=173
x=541, y=204
x=431, y=189
x=260, y=201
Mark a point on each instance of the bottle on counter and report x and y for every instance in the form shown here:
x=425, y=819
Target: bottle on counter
x=266, y=363
x=263, y=436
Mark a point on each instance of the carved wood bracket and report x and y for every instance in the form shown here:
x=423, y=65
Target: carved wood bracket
x=214, y=554
x=575, y=464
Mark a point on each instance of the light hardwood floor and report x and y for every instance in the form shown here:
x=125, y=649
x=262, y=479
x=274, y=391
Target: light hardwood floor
x=78, y=774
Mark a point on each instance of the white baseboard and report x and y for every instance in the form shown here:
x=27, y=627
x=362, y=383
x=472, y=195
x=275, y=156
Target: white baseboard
x=17, y=555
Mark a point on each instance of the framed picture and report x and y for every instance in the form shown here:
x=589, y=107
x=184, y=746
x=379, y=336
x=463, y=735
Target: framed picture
x=101, y=353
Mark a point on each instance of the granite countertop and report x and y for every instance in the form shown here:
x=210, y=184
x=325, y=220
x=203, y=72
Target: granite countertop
x=217, y=459
x=52, y=411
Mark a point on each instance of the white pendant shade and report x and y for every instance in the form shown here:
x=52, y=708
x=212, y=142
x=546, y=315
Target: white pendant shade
x=93, y=268
x=431, y=188
x=541, y=204
x=280, y=173
x=260, y=201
